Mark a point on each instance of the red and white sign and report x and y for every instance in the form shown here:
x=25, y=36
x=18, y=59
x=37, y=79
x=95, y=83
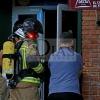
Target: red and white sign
x=84, y=4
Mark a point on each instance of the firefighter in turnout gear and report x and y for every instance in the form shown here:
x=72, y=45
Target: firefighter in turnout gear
x=28, y=68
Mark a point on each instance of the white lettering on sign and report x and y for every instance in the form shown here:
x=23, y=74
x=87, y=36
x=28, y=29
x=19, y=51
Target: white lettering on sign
x=87, y=3
x=83, y=1
x=83, y=4
x=96, y=4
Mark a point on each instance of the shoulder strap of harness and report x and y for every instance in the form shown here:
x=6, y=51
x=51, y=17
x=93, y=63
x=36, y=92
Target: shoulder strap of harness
x=13, y=81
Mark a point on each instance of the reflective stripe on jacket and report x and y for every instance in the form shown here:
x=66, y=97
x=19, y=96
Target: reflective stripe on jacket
x=24, y=66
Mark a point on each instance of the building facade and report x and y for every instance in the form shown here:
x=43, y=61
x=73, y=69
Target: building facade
x=91, y=55
x=85, y=29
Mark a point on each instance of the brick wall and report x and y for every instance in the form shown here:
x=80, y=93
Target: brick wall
x=91, y=55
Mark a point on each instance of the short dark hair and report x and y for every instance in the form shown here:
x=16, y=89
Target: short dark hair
x=66, y=37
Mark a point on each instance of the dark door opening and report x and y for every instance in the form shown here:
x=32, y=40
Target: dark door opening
x=50, y=35
x=69, y=23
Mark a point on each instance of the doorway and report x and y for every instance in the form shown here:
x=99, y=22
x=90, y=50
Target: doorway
x=50, y=35
x=69, y=23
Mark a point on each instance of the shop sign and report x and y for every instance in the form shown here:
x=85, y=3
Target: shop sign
x=84, y=4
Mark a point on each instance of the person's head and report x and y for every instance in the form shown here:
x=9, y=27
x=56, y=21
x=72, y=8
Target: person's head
x=17, y=31
x=66, y=39
x=32, y=27
x=28, y=28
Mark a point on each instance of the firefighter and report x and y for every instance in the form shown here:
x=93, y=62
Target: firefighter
x=30, y=69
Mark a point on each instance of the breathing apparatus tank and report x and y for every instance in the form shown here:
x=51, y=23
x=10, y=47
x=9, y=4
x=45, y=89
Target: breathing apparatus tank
x=8, y=60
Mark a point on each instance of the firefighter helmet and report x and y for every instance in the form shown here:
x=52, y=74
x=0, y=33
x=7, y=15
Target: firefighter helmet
x=18, y=28
x=31, y=25
x=18, y=24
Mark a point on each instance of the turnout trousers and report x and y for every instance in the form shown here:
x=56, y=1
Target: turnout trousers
x=4, y=92
x=24, y=91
